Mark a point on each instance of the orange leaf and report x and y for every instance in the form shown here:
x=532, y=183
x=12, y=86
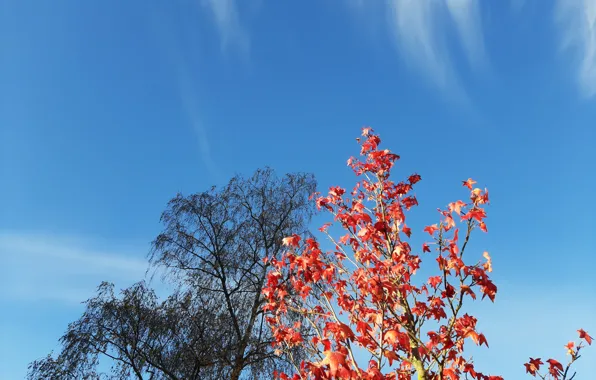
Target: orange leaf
x=334, y=360
x=391, y=356
x=469, y=183
x=449, y=373
x=391, y=336
x=488, y=266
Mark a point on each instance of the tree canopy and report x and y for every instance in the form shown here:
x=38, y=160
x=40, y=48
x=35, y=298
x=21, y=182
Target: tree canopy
x=215, y=248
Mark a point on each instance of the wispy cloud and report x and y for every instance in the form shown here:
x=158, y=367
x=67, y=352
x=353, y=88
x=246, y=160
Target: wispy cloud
x=577, y=22
x=467, y=18
x=184, y=72
x=191, y=105
x=420, y=27
x=415, y=27
x=45, y=267
x=227, y=19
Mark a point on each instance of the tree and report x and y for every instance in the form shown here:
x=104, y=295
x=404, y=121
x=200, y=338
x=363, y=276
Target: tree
x=362, y=296
x=220, y=243
x=142, y=338
x=216, y=248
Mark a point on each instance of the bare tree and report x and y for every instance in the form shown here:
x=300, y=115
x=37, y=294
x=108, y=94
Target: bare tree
x=140, y=337
x=220, y=243
x=216, y=248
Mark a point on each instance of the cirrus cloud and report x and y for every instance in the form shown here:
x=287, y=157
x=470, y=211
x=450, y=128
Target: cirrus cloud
x=576, y=20
x=45, y=267
x=420, y=28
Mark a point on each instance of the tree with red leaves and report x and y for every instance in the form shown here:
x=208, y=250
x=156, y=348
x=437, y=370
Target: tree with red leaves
x=361, y=296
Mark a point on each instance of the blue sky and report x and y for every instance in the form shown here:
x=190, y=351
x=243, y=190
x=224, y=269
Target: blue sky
x=108, y=108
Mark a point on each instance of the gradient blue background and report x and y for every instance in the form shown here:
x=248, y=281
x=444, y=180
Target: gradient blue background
x=108, y=108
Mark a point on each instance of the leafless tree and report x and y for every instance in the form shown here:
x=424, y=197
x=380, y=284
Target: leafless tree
x=141, y=338
x=215, y=248
x=219, y=243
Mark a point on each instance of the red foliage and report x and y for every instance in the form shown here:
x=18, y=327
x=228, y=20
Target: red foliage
x=362, y=293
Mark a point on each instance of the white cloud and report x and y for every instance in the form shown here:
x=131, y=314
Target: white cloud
x=415, y=24
x=466, y=15
x=44, y=267
x=226, y=17
x=420, y=26
x=577, y=22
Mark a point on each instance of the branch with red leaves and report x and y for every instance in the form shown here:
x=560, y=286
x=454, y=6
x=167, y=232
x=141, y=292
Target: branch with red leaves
x=363, y=295
x=555, y=368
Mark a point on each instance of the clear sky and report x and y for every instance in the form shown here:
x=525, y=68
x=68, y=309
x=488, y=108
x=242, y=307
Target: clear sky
x=108, y=108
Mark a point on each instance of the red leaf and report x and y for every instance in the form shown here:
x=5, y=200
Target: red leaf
x=414, y=178
x=324, y=227
x=292, y=241
x=584, y=335
x=555, y=368
x=407, y=230
x=431, y=229
x=476, y=213
x=391, y=356
x=456, y=207
x=435, y=281
x=569, y=346
x=533, y=365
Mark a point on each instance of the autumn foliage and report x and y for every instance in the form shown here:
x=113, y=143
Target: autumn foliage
x=361, y=299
